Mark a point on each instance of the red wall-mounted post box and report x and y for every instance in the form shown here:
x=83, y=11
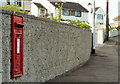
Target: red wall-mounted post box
x=17, y=46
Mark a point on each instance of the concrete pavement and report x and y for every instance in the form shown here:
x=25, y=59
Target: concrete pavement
x=102, y=67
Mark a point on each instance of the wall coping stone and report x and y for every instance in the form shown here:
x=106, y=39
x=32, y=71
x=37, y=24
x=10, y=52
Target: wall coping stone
x=37, y=18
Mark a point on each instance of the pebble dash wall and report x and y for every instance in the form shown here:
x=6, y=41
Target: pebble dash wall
x=50, y=48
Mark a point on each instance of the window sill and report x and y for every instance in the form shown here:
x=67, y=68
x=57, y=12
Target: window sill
x=78, y=16
x=72, y=15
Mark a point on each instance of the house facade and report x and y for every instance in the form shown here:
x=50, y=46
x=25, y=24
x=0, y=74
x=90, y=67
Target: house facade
x=39, y=7
x=116, y=21
x=71, y=10
x=99, y=16
x=24, y=4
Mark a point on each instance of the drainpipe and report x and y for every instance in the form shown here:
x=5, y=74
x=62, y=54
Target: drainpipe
x=23, y=4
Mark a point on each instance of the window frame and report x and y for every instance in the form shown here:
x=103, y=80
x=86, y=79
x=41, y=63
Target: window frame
x=80, y=15
x=39, y=11
x=67, y=11
x=14, y=2
x=19, y=3
x=100, y=16
x=71, y=13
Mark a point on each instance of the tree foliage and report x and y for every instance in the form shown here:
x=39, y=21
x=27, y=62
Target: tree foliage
x=13, y=8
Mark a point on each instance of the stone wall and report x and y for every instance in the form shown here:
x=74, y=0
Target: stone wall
x=0, y=48
x=50, y=48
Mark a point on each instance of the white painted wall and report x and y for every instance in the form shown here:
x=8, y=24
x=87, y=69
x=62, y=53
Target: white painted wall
x=2, y=2
x=100, y=36
x=50, y=8
x=113, y=33
x=34, y=9
x=26, y=5
x=100, y=31
x=96, y=39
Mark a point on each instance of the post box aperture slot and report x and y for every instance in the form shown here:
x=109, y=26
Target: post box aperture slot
x=19, y=25
x=18, y=45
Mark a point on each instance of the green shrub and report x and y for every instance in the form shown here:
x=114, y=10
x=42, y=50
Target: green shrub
x=46, y=15
x=63, y=20
x=54, y=19
x=111, y=28
x=14, y=8
x=118, y=28
x=72, y=22
x=80, y=24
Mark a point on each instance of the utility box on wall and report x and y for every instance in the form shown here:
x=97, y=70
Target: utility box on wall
x=17, y=46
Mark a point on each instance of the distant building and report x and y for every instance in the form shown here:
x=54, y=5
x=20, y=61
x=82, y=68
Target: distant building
x=71, y=10
x=116, y=22
x=99, y=15
x=24, y=4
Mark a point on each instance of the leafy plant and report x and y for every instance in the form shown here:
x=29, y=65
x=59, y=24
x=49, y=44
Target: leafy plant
x=72, y=22
x=14, y=8
x=80, y=24
x=85, y=26
x=111, y=28
x=46, y=15
x=118, y=28
x=54, y=19
x=64, y=20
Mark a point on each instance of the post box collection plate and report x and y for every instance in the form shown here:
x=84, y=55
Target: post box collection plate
x=17, y=46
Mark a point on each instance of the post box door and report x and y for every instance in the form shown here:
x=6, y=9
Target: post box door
x=18, y=57
x=17, y=46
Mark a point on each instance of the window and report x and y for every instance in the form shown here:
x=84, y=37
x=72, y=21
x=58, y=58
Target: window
x=66, y=12
x=8, y=1
x=72, y=13
x=51, y=14
x=100, y=16
x=14, y=2
x=38, y=11
x=19, y=2
x=78, y=14
x=41, y=11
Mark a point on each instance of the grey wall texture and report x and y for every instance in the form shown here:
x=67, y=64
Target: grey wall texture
x=0, y=48
x=50, y=48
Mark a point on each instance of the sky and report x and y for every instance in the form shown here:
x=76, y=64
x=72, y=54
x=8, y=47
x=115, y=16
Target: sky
x=113, y=6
